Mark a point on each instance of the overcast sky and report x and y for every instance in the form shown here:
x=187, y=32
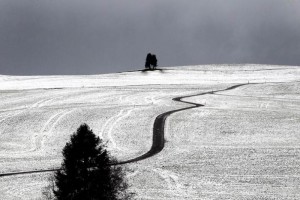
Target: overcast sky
x=101, y=36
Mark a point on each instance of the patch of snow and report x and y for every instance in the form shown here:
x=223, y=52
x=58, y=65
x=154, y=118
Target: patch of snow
x=242, y=144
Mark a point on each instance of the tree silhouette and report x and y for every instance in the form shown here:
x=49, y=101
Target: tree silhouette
x=86, y=172
x=148, y=61
x=154, y=61
x=151, y=61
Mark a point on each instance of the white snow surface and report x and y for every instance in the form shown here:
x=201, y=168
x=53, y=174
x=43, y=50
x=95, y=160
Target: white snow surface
x=244, y=143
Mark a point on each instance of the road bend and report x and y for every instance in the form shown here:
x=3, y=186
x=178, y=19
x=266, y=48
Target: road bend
x=158, y=140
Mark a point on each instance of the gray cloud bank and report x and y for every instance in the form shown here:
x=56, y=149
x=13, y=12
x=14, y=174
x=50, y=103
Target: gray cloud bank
x=102, y=36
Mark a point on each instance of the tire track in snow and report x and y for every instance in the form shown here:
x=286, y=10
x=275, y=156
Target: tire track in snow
x=10, y=116
x=104, y=127
x=37, y=104
x=171, y=180
x=47, y=129
x=158, y=140
x=40, y=137
x=40, y=103
x=150, y=99
x=37, y=138
x=114, y=120
x=113, y=125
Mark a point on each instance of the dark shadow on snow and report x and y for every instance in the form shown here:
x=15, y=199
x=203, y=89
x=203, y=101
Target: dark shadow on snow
x=150, y=70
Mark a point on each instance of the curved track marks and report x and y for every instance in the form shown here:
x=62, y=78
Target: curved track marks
x=158, y=140
x=171, y=180
x=47, y=129
x=37, y=104
x=115, y=121
x=109, y=125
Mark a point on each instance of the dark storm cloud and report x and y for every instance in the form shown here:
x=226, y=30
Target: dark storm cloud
x=100, y=36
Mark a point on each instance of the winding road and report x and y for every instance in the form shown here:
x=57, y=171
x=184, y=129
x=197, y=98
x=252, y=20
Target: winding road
x=158, y=131
x=158, y=142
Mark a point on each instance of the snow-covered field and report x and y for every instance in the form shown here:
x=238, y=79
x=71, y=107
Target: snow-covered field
x=244, y=143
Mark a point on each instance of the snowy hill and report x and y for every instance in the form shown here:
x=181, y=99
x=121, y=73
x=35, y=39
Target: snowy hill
x=228, y=131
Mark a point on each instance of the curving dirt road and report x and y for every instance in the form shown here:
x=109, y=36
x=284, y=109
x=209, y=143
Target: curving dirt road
x=158, y=132
x=159, y=125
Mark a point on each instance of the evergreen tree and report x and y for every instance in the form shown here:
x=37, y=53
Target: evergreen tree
x=154, y=61
x=86, y=172
x=148, y=61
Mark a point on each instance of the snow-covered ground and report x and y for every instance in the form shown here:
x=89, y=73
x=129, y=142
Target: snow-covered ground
x=244, y=143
